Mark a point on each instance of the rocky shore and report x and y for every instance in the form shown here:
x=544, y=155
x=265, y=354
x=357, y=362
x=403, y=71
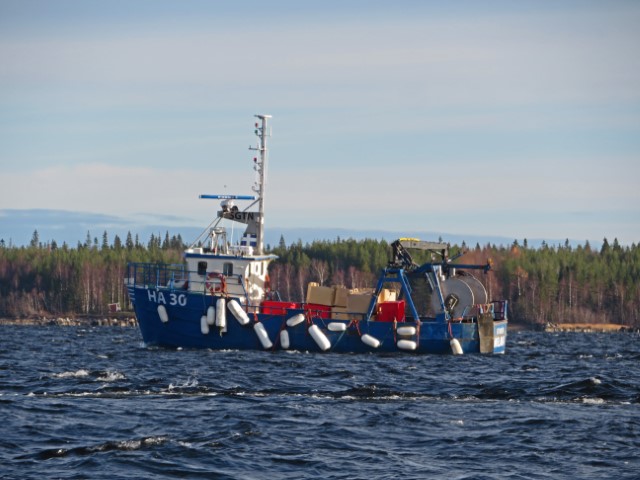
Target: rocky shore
x=128, y=320
x=92, y=321
x=588, y=327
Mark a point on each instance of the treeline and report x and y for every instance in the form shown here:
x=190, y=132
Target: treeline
x=550, y=284
x=556, y=284
x=46, y=279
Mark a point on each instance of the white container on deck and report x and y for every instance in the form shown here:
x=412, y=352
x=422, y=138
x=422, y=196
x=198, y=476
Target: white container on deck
x=320, y=338
x=237, y=311
x=284, y=339
x=211, y=315
x=162, y=313
x=407, y=344
x=261, y=332
x=221, y=313
x=406, y=331
x=295, y=320
x=370, y=340
x=337, y=327
x=204, y=324
x=456, y=348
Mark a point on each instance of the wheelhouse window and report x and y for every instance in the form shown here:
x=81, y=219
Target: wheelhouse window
x=202, y=268
x=227, y=269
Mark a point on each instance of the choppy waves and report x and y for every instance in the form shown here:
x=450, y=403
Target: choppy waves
x=94, y=403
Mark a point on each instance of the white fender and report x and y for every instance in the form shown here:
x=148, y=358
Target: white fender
x=295, y=320
x=409, y=331
x=367, y=339
x=237, y=311
x=162, y=313
x=320, y=338
x=204, y=324
x=337, y=326
x=221, y=313
x=211, y=312
x=284, y=339
x=261, y=332
x=456, y=348
x=407, y=344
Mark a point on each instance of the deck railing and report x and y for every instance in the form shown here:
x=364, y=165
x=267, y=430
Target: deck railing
x=156, y=275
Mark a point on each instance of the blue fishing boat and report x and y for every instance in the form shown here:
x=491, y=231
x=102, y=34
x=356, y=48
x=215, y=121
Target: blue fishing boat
x=220, y=297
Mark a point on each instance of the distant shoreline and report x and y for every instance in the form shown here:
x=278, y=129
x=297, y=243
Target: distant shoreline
x=92, y=321
x=129, y=320
x=589, y=327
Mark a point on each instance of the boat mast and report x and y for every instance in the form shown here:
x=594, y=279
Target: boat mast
x=262, y=133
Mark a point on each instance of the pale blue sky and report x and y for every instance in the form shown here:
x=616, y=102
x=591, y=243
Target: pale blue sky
x=518, y=119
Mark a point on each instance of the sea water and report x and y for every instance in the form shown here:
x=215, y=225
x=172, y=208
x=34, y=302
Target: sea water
x=96, y=403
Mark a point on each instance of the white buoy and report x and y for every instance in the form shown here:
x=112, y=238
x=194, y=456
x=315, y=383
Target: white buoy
x=337, y=326
x=237, y=311
x=261, y=332
x=407, y=344
x=211, y=312
x=456, y=348
x=367, y=339
x=204, y=325
x=295, y=320
x=408, y=331
x=319, y=337
x=221, y=313
x=284, y=339
x=162, y=313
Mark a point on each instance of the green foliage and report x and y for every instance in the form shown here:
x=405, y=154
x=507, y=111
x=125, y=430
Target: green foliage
x=557, y=284
x=47, y=279
x=549, y=284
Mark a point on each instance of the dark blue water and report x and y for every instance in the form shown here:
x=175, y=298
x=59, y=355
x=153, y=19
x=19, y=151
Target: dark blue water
x=94, y=403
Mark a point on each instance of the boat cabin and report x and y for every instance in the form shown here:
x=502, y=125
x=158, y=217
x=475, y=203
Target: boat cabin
x=223, y=269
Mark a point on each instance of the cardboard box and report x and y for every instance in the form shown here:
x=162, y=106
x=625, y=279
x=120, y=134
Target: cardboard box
x=320, y=295
x=340, y=296
x=359, y=302
x=387, y=295
x=361, y=290
x=339, y=313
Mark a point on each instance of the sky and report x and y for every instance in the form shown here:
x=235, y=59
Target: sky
x=518, y=119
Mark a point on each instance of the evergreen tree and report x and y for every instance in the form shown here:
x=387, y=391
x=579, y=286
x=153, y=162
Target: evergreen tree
x=548, y=284
x=35, y=239
x=129, y=241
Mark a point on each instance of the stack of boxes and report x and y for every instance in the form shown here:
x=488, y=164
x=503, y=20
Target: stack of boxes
x=319, y=300
x=341, y=303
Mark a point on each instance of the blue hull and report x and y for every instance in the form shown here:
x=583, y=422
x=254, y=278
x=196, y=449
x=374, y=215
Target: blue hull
x=184, y=311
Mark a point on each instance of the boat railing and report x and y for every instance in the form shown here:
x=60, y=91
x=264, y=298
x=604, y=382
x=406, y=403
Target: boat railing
x=177, y=277
x=497, y=309
x=154, y=275
x=204, y=284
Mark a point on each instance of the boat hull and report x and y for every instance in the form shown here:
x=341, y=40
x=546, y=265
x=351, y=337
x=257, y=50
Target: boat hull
x=173, y=318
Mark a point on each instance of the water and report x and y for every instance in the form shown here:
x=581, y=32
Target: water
x=94, y=403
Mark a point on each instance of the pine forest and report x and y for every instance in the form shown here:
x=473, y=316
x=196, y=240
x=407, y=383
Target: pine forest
x=548, y=284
